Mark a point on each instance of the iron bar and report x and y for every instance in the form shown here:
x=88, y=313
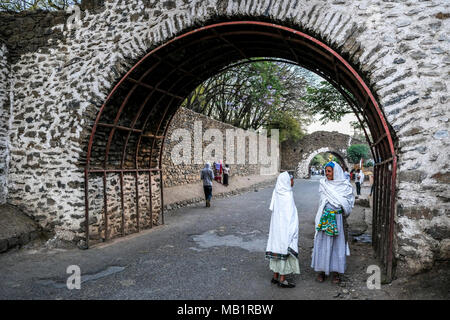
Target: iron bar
x=105, y=209
x=86, y=204
x=140, y=83
x=150, y=198
x=383, y=162
x=122, y=204
x=107, y=125
x=137, y=201
x=393, y=189
x=152, y=136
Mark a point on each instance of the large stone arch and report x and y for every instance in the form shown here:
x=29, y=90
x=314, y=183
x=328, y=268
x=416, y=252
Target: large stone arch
x=297, y=155
x=58, y=90
x=303, y=166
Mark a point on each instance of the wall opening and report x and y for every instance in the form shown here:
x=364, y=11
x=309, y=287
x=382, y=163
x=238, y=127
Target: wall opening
x=325, y=155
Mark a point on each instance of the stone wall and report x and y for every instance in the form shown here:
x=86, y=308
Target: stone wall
x=298, y=155
x=4, y=121
x=399, y=48
x=190, y=173
x=30, y=31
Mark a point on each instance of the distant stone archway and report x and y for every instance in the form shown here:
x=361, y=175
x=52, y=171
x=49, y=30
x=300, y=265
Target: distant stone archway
x=297, y=156
x=304, y=165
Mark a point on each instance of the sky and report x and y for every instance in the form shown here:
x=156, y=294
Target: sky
x=343, y=126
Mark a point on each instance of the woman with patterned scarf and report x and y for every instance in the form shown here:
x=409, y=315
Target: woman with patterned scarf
x=331, y=238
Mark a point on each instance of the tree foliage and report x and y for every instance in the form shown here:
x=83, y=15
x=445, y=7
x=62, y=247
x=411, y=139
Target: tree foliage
x=326, y=101
x=289, y=127
x=356, y=152
x=29, y=5
x=318, y=160
x=255, y=95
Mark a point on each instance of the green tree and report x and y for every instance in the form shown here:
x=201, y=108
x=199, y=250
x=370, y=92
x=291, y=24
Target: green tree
x=356, y=152
x=318, y=160
x=325, y=100
x=289, y=127
x=261, y=94
x=368, y=163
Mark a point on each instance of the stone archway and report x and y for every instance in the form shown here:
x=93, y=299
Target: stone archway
x=304, y=165
x=57, y=93
x=297, y=156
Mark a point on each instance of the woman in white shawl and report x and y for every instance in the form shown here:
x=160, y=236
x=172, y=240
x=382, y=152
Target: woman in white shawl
x=331, y=238
x=282, y=245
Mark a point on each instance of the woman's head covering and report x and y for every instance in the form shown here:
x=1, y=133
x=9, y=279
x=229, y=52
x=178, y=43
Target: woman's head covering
x=207, y=165
x=339, y=191
x=283, y=183
x=330, y=164
x=283, y=235
x=338, y=172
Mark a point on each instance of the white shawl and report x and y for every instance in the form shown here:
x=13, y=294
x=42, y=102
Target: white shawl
x=283, y=232
x=338, y=192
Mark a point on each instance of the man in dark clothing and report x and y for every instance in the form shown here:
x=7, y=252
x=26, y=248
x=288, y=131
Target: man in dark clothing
x=207, y=176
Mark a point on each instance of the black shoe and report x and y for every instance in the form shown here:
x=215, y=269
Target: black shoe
x=274, y=281
x=286, y=284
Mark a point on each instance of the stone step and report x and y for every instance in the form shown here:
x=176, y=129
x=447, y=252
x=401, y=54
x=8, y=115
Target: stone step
x=16, y=228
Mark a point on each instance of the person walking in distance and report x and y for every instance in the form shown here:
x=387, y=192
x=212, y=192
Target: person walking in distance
x=359, y=179
x=346, y=174
x=226, y=174
x=207, y=176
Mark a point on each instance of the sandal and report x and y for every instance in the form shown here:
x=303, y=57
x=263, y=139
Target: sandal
x=286, y=284
x=321, y=277
x=336, y=278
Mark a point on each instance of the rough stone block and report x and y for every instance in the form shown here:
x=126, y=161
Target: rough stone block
x=12, y=242
x=24, y=239
x=444, y=250
x=3, y=245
